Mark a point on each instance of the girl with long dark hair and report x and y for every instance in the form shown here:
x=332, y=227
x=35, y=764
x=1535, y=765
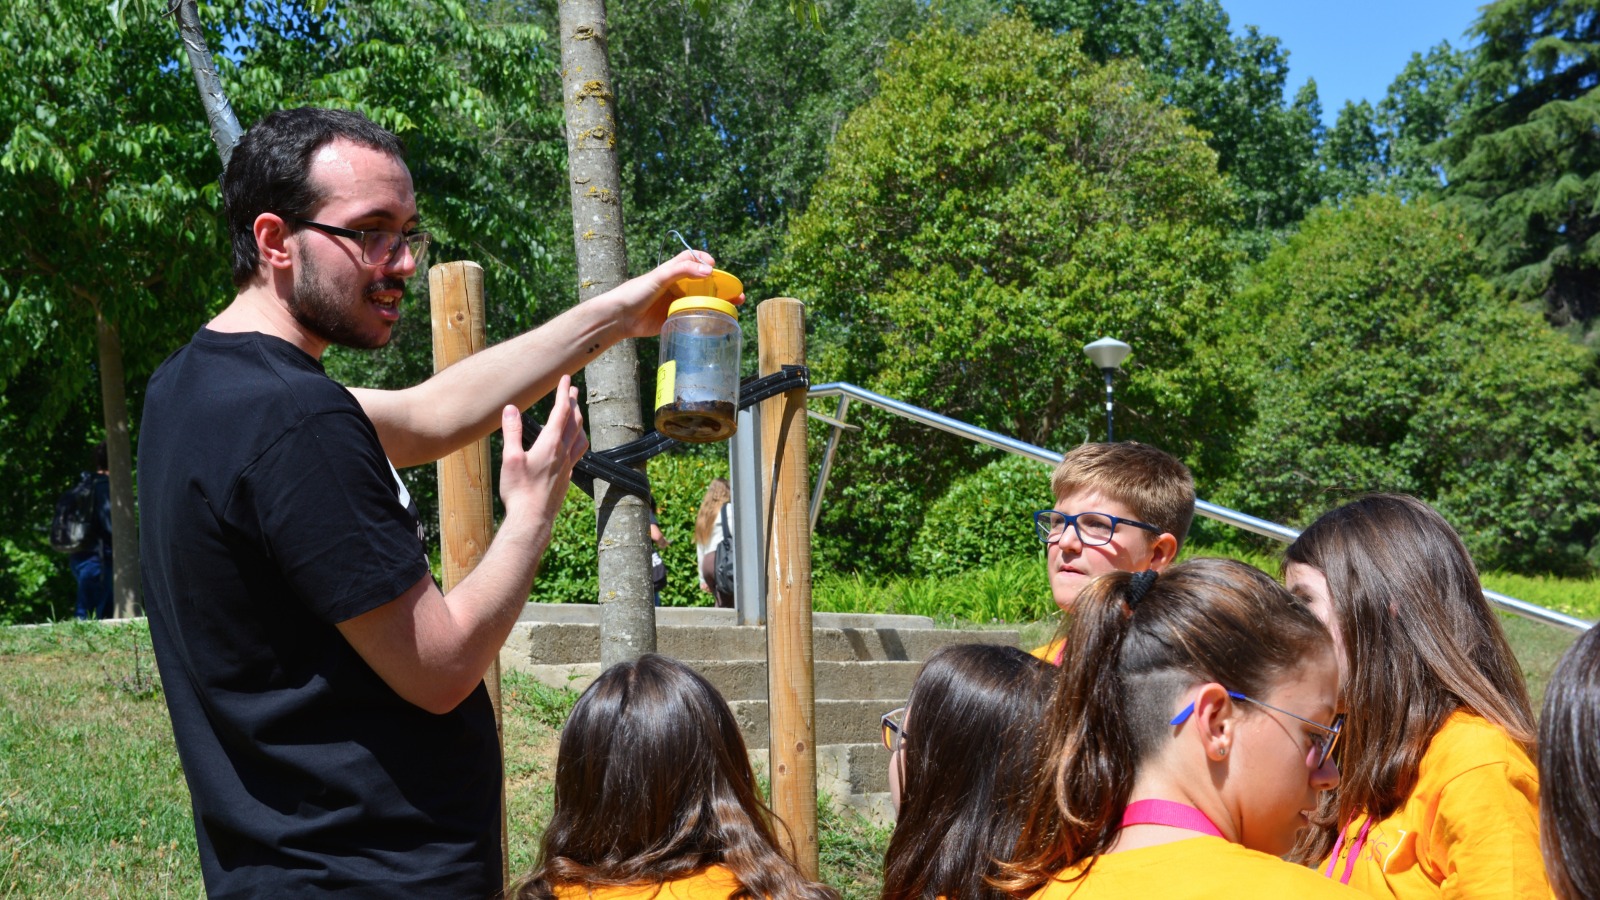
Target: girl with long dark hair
x=1192, y=729
x=1569, y=766
x=963, y=756
x=654, y=797
x=1440, y=796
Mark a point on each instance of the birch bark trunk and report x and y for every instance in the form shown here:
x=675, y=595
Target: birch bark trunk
x=627, y=612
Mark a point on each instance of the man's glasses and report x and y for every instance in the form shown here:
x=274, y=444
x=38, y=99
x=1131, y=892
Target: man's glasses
x=1093, y=528
x=378, y=248
x=1322, y=746
x=894, y=728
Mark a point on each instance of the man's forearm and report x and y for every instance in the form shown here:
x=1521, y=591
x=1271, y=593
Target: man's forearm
x=462, y=404
x=431, y=648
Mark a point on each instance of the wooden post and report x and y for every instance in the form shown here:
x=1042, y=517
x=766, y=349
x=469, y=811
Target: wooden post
x=791, y=689
x=466, y=482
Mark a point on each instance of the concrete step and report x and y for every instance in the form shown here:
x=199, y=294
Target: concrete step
x=837, y=721
x=746, y=679
x=589, y=613
x=556, y=643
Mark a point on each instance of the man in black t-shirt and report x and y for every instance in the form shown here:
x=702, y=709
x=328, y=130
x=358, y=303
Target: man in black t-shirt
x=327, y=698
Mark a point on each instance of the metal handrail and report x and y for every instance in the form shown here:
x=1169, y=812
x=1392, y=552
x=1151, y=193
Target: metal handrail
x=847, y=392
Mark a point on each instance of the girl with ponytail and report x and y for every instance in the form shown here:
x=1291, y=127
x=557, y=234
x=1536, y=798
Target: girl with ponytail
x=1191, y=732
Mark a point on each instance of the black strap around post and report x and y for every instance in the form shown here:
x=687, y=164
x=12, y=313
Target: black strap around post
x=616, y=465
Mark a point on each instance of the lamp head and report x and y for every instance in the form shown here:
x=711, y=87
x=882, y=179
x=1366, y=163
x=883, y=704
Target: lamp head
x=1107, y=353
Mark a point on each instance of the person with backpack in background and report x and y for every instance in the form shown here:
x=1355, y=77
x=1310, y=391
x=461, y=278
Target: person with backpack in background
x=713, y=541
x=82, y=529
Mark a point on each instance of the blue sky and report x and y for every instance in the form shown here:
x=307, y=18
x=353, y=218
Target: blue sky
x=1353, y=48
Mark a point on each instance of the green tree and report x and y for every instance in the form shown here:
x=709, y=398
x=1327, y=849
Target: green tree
x=1396, y=146
x=725, y=115
x=1233, y=85
x=115, y=261
x=982, y=217
x=1525, y=159
x=1382, y=361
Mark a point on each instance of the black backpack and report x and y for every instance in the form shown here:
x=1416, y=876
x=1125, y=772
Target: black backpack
x=722, y=575
x=72, y=529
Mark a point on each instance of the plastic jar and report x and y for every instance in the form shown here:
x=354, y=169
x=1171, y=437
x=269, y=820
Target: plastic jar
x=697, y=384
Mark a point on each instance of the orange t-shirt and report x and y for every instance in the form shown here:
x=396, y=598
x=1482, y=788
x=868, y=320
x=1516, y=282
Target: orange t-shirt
x=1201, y=868
x=710, y=883
x=1469, y=829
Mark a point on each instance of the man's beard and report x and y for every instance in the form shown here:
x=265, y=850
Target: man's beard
x=321, y=310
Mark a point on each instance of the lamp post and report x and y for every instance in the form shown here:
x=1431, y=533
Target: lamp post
x=1108, y=354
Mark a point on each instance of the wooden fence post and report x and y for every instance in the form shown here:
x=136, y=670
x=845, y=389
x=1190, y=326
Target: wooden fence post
x=791, y=688
x=466, y=482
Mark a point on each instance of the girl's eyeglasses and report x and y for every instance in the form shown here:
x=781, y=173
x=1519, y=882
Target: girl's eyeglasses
x=1322, y=746
x=894, y=729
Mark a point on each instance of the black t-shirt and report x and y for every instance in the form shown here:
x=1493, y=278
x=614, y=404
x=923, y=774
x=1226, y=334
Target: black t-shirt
x=269, y=514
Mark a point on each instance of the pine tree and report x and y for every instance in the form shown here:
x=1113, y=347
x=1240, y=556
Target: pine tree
x=1525, y=159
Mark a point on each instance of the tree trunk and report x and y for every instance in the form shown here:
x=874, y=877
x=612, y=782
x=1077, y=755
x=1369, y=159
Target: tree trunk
x=119, y=453
x=225, y=130
x=627, y=613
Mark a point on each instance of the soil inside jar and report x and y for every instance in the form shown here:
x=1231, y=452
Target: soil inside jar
x=697, y=422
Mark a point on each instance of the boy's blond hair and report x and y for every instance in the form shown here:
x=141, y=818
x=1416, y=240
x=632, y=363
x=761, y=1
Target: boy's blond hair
x=1155, y=485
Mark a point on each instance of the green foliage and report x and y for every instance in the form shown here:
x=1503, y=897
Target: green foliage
x=1382, y=362
x=726, y=112
x=1232, y=86
x=984, y=216
x=984, y=518
x=568, y=573
x=1525, y=160
x=1011, y=590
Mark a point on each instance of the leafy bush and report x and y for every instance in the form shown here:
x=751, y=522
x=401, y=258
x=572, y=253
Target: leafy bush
x=984, y=518
x=1381, y=361
x=1011, y=590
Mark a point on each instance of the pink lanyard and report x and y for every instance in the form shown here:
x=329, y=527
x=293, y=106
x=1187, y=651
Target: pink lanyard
x=1355, y=851
x=1166, y=812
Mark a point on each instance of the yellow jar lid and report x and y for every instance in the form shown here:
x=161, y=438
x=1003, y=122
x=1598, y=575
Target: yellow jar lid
x=718, y=284
x=712, y=303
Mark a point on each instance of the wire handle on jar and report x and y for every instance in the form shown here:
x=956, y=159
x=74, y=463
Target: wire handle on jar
x=674, y=233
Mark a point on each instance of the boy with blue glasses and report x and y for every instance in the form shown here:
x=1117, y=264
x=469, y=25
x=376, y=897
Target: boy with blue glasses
x=1120, y=507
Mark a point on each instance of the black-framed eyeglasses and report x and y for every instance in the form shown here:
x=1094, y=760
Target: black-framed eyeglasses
x=894, y=728
x=1093, y=528
x=378, y=248
x=1322, y=745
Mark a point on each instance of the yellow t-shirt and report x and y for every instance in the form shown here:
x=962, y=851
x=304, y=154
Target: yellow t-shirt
x=1469, y=829
x=1195, y=869
x=1051, y=652
x=710, y=883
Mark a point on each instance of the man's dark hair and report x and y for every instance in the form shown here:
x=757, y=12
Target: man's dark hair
x=270, y=171
x=101, y=460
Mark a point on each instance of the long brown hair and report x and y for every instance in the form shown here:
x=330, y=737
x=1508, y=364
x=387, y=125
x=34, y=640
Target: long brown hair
x=653, y=784
x=971, y=745
x=717, y=494
x=1205, y=620
x=1569, y=772
x=1420, y=641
